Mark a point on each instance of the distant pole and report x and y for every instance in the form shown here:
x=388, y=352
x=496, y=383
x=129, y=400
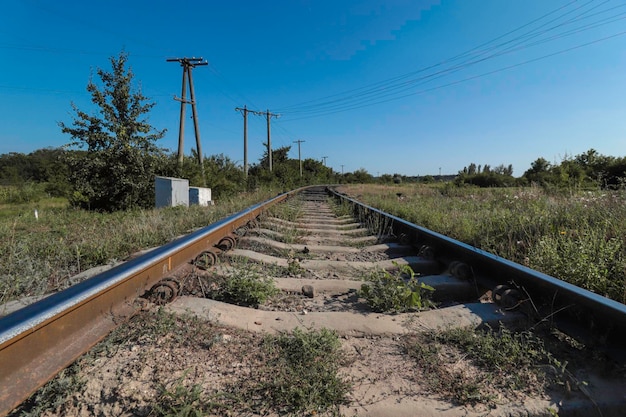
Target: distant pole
x=341, y=169
x=245, y=111
x=324, y=158
x=188, y=64
x=299, y=158
x=269, y=115
x=439, y=172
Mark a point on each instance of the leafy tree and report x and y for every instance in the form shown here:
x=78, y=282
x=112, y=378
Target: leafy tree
x=117, y=170
x=539, y=171
x=386, y=178
x=224, y=177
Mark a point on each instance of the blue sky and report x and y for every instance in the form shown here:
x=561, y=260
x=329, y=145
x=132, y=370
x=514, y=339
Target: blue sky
x=375, y=84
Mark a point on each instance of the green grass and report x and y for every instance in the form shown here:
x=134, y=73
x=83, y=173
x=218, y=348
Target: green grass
x=301, y=374
x=41, y=255
x=579, y=237
x=291, y=210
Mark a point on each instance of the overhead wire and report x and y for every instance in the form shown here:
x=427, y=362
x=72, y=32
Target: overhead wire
x=387, y=88
x=404, y=76
x=439, y=74
x=472, y=77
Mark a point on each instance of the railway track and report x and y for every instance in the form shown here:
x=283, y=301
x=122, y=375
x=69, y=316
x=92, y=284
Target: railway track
x=319, y=260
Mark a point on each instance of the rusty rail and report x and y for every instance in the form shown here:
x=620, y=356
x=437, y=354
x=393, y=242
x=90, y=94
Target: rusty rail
x=604, y=318
x=39, y=340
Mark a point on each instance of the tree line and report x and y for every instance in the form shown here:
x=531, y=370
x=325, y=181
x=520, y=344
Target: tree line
x=588, y=170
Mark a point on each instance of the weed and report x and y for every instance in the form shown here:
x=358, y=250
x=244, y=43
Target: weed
x=52, y=395
x=294, y=267
x=290, y=210
x=243, y=286
x=302, y=373
x=44, y=253
x=340, y=209
x=291, y=235
x=179, y=400
x=399, y=292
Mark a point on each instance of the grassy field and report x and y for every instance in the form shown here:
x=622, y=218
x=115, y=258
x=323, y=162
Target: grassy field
x=578, y=237
x=41, y=253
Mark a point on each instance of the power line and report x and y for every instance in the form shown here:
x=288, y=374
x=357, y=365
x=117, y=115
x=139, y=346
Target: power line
x=392, y=87
x=464, y=79
x=400, y=77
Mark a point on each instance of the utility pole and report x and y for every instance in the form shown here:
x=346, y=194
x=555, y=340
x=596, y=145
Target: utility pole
x=299, y=158
x=324, y=158
x=245, y=111
x=188, y=64
x=269, y=115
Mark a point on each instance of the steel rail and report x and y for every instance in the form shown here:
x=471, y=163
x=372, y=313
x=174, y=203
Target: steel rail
x=605, y=317
x=39, y=340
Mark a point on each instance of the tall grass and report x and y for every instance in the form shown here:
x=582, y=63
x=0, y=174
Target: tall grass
x=42, y=254
x=579, y=237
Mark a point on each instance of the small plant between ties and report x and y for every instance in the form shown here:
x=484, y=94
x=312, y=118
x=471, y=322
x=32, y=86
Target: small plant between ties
x=396, y=293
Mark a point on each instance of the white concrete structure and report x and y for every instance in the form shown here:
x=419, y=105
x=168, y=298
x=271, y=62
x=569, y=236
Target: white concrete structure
x=171, y=192
x=200, y=196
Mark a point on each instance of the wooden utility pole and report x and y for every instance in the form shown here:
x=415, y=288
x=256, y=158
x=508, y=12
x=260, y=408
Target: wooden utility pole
x=269, y=115
x=245, y=111
x=299, y=158
x=188, y=64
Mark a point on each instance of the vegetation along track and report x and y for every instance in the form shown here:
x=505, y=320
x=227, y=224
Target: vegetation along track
x=405, y=303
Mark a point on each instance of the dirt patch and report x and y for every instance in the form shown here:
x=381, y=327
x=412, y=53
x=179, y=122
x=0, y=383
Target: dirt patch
x=160, y=363
x=297, y=302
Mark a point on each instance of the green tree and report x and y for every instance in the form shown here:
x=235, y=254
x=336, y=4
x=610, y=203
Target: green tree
x=117, y=170
x=539, y=171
